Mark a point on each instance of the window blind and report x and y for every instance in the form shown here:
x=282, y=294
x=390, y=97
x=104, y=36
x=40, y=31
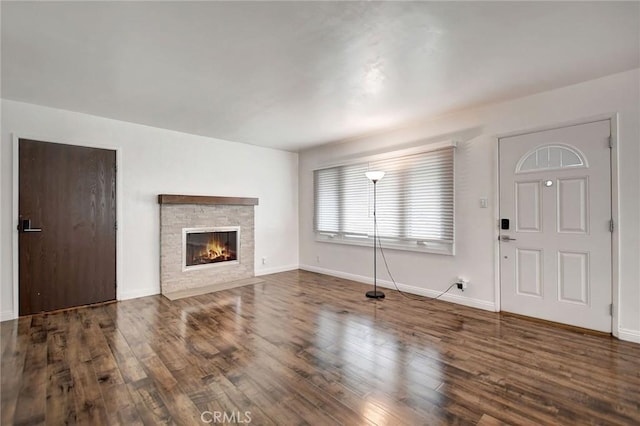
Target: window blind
x=415, y=199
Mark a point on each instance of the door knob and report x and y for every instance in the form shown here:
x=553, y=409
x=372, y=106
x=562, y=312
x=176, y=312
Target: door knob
x=506, y=238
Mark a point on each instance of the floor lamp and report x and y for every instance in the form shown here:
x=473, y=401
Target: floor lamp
x=375, y=294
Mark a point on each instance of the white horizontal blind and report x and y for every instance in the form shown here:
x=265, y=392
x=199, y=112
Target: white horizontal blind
x=354, y=196
x=341, y=200
x=327, y=186
x=415, y=199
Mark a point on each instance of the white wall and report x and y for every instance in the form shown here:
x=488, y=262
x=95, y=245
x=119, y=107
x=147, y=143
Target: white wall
x=476, y=163
x=155, y=161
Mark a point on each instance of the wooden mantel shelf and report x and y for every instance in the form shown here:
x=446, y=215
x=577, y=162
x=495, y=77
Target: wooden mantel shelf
x=204, y=199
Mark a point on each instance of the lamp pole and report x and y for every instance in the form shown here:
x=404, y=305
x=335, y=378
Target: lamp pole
x=375, y=294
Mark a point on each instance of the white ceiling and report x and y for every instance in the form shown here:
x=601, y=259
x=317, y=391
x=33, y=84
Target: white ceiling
x=291, y=75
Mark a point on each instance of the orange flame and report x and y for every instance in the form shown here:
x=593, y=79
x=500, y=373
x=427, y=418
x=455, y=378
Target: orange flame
x=214, y=250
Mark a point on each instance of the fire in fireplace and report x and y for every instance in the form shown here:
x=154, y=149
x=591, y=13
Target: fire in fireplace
x=210, y=246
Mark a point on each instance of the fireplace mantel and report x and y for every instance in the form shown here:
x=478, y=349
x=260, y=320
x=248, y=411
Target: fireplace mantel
x=207, y=200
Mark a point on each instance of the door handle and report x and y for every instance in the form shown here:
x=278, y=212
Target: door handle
x=506, y=238
x=25, y=226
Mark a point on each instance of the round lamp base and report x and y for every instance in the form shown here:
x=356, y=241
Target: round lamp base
x=375, y=294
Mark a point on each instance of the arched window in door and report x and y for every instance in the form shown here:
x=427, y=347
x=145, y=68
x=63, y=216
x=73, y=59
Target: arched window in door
x=551, y=157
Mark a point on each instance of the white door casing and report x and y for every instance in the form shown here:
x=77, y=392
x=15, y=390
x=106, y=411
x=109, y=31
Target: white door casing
x=555, y=258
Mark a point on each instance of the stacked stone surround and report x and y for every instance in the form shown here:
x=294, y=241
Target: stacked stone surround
x=175, y=217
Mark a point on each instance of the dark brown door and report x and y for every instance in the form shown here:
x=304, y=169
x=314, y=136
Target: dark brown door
x=67, y=218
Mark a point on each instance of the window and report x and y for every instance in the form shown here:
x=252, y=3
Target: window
x=415, y=202
x=551, y=157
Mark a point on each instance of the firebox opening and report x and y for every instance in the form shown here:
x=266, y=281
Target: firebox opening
x=210, y=246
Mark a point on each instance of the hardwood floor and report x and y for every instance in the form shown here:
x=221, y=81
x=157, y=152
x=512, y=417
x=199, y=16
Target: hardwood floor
x=303, y=348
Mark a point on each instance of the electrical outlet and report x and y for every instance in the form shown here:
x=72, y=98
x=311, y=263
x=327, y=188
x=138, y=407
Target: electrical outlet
x=318, y=259
x=462, y=284
x=264, y=260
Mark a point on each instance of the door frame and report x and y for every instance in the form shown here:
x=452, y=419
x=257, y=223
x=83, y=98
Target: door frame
x=15, y=208
x=615, y=203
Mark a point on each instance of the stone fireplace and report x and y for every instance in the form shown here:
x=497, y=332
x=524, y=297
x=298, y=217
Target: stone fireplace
x=205, y=242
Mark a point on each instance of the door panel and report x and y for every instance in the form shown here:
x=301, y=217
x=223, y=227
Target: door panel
x=555, y=261
x=528, y=206
x=572, y=206
x=69, y=193
x=573, y=277
x=529, y=272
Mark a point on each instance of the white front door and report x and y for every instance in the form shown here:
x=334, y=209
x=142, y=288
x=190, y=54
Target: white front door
x=555, y=250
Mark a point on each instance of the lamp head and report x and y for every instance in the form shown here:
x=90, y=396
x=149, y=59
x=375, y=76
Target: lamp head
x=374, y=176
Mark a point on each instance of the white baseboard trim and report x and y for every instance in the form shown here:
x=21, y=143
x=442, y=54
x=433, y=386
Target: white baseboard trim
x=275, y=270
x=453, y=298
x=7, y=315
x=139, y=292
x=339, y=274
x=629, y=335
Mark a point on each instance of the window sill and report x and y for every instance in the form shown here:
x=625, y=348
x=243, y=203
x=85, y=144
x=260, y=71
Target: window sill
x=447, y=249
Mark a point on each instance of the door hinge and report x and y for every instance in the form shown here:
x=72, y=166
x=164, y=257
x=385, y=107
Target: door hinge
x=610, y=142
x=115, y=225
x=611, y=225
x=611, y=309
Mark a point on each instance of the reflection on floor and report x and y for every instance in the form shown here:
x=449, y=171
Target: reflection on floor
x=303, y=348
